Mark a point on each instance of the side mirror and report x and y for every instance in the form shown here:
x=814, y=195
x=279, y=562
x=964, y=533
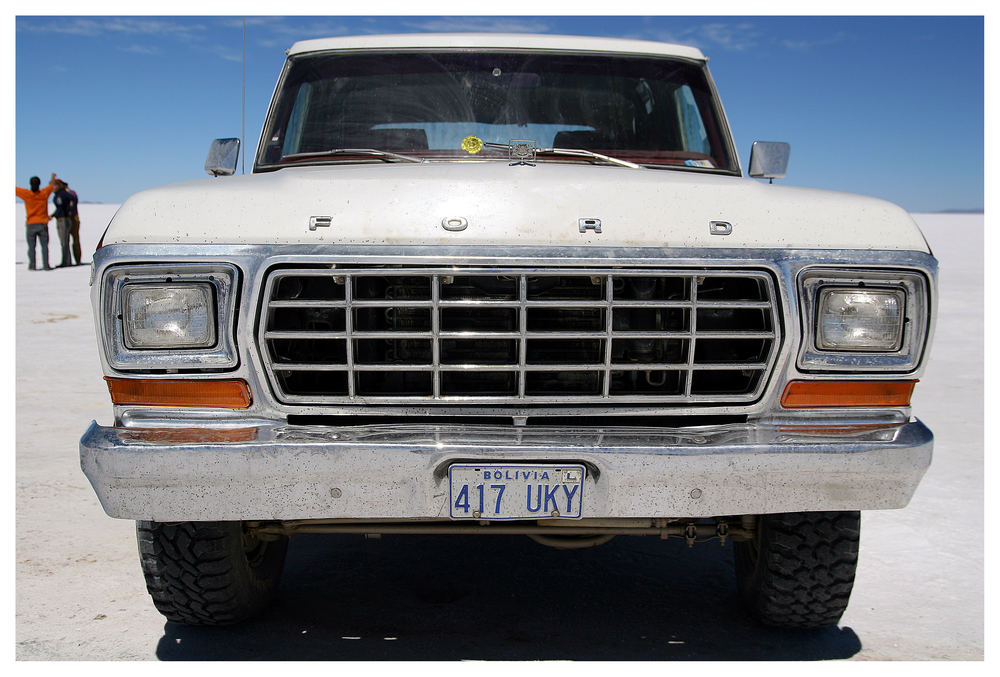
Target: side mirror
x=769, y=159
x=222, y=155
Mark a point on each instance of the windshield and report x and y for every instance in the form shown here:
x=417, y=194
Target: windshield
x=650, y=111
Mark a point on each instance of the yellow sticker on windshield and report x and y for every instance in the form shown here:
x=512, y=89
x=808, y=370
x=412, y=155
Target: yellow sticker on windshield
x=472, y=144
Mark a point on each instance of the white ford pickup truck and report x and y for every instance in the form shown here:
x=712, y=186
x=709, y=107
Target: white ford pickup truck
x=496, y=284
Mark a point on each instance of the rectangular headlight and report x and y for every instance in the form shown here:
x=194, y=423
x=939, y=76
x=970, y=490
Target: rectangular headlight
x=863, y=321
x=168, y=316
x=860, y=319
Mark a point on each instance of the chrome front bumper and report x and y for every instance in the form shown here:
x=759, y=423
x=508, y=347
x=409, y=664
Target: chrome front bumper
x=384, y=472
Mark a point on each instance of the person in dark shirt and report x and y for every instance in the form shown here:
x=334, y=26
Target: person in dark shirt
x=74, y=230
x=65, y=207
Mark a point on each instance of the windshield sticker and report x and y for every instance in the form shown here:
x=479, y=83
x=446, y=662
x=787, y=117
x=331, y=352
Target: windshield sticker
x=699, y=163
x=472, y=144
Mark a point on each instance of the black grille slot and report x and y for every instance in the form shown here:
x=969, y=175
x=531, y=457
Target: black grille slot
x=482, y=351
x=566, y=319
x=489, y=383
x=391, y=351
x=314, y=383
x=563, y=383
x=468, y=335
x=479, y=319
x=650, y=382
x=564, y=288
x=563, y=351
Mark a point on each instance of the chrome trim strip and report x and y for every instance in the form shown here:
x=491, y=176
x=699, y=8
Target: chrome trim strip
x=522, y=361
x=538, y=255
x=348, y=326
x=517, y=304
x=691, y=346
x=514, y=335
x=586, y=366
x=609, y=321
x=435, y=365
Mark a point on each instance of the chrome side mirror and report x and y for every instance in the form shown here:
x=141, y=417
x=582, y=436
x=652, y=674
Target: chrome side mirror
x=769, y=159
x=222, y=156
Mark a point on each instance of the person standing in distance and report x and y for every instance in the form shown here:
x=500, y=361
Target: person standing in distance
x=74, y=231
x=36, y=225
x=65, y=207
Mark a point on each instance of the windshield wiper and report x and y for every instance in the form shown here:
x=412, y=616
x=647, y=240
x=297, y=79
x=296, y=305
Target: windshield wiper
x=581, y=152
x=388, y=156
x=523, y=152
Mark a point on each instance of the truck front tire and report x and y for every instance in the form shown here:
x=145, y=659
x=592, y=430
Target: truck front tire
x=798, y=571
x=209, y=573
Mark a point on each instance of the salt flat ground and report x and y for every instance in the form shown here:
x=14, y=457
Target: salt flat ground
x=80, y=594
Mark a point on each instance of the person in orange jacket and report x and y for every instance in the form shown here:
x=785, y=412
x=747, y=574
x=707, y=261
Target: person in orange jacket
x=36, y=225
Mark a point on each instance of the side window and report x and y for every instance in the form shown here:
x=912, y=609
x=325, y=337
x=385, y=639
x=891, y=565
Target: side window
x=695, y=138
x=296, y=120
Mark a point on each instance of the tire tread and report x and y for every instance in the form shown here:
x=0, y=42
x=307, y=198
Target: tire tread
x=805, y=570
x=196, y=572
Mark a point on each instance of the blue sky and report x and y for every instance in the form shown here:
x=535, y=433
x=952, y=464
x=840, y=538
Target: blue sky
x=885, y=106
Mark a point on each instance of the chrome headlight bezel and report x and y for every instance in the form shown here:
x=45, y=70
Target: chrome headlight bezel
x=904, y=357
x=219, y=278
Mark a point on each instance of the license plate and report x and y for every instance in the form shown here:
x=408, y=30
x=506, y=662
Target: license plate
x=514, y=492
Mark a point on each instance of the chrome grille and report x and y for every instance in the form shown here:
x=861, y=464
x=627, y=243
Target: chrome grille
x=475, y=335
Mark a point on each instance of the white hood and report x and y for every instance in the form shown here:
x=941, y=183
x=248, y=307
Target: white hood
x=503, y=205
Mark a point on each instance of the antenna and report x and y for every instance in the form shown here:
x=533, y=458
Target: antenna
x=243, y=101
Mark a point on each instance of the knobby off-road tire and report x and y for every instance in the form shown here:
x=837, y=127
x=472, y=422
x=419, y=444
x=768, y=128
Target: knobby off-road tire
x=799, y=570
x=208, y=573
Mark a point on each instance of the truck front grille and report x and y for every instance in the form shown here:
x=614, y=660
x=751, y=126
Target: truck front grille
x=518, y=336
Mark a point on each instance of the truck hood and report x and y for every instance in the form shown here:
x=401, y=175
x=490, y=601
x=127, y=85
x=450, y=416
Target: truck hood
x=406, y=204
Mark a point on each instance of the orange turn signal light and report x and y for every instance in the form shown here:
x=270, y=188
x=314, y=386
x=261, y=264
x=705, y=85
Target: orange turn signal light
x=817, y=394
x=231, y=393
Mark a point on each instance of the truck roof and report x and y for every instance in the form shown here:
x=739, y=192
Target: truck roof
x=575, y=43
